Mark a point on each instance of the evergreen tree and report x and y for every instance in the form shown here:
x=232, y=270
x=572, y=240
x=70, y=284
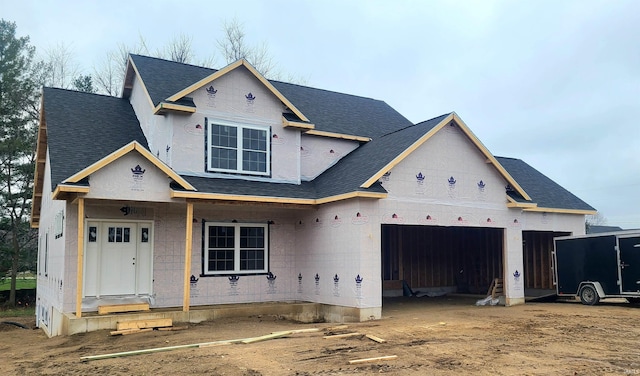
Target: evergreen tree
x=18, y=119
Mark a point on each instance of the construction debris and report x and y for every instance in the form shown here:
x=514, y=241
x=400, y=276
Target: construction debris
x=342, y=335
x=204, y=344
x=366, y=360
x=376, y=339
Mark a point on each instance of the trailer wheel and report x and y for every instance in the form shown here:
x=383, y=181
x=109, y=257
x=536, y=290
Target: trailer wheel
x=589, y=295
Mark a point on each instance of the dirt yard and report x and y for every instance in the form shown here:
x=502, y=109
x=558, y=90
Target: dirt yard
x=434, y=336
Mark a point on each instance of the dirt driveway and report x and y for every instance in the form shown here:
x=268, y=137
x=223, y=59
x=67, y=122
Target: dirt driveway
x=429, y=336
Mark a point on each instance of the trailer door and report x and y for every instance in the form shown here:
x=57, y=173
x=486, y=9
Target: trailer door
x=630, y=263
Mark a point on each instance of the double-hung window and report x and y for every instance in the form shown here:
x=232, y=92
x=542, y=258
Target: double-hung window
x=235, y=248
x=238, y=148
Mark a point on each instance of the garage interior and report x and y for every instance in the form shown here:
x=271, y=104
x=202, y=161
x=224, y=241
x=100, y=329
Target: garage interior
x=460, y=259
x=537, y=248
x=440, y=259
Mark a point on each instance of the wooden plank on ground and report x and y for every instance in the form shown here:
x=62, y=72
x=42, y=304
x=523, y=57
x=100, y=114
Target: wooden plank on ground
x=130, y=331
x=174, y=328
x=342, y=335
x=376, y=339
x=141, y=324
x=103, y=310
x=366, y=360
x=339, y=327
x=268, y=336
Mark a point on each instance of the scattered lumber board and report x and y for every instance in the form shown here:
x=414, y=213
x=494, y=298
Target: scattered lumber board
x=339, y=327
x=125, y=332
x=170, y=348
x=335, y=336
x=173, y=328
x=366, y=360
x=142, y=324
x=119, y=308
x=376, y=339
x=266, y=337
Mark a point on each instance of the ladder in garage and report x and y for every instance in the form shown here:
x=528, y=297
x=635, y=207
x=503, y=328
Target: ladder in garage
x=496, y=288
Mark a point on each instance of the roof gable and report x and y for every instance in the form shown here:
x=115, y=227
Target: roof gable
x=391, y=149
x=84, y=173
x=166, y=89
x=332, y=114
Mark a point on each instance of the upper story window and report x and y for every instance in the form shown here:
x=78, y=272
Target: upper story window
x=238, y=148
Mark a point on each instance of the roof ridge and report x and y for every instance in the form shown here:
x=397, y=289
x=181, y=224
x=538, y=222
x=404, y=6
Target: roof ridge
x=325, y=90
x=79, y=92
x=174, y=62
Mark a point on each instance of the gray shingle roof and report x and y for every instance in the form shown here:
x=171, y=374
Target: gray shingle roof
x=542, y=190
x=108, y=123
x=328, y=110
x=83, y=128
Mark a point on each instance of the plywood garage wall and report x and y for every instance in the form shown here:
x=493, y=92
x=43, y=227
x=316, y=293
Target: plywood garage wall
x=433, y=256
x=537, y=247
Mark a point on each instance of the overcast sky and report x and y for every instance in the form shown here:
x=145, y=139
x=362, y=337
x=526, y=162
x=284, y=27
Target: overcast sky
x=554, y=83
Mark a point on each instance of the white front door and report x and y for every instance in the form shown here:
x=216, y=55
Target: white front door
x=118, y=258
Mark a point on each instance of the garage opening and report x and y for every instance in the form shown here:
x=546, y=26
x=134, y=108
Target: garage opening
x=538, y=268
x=440, y=259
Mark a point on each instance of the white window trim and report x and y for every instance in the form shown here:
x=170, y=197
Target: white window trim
x=239, y=148
x=236, y=252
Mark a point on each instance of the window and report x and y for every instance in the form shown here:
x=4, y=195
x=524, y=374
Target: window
x=238, y=148
x=119, y=234
x=233, y=248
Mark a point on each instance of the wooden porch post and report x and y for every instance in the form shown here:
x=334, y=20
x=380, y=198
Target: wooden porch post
x=187, y=258
x=79, y=281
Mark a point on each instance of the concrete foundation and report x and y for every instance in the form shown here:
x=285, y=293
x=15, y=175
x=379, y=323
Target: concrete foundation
x=68, y=324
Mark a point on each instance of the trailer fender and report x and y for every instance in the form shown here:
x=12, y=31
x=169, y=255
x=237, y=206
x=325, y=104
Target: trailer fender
x=596, y=286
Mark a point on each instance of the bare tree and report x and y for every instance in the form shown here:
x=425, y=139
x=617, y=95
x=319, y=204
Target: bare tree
x=109, y=76
x=179, y=49
x=594, y=220
x=61, y=66
x=234, y=47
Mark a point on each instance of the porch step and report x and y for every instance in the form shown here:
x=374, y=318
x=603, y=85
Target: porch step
x=119, y=308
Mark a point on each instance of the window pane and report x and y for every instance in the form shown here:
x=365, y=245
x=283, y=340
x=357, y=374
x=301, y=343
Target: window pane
x=221, y=260
x=254, y=161
x=93, y=234
x=112, y=234
x=224, y=144
x=252, y=237
x=126, y=234
x=118, y=234
x=254, y=139
x=252, y=259
x=221, y=236
x=225, y=136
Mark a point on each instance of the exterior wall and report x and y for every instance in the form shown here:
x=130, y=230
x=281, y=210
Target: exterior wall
x=186, y=152
x=151, y=125
x=208, y=290
x=51, y=281
x=343, y=250
x=319, y=153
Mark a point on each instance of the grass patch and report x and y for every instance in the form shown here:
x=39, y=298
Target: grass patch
x=21, y=284
x=19, y=311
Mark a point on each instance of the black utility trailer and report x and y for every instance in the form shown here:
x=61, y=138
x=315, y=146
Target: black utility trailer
x=593, y=267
